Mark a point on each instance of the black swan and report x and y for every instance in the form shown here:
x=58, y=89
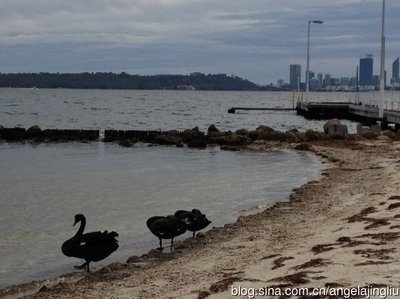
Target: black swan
x=195, y=220
x=167, y=227
x=92, y=247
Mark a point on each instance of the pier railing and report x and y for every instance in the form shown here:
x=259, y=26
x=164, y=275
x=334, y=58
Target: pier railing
x=297, y=97
x=393, y=106
x=371, y=99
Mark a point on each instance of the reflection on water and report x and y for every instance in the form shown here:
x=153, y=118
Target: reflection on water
x=44, y=186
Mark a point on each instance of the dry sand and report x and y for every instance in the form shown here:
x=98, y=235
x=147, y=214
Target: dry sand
x=343, y=230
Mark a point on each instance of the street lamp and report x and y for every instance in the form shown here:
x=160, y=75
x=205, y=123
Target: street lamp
x=308, y=56
x=382, y=78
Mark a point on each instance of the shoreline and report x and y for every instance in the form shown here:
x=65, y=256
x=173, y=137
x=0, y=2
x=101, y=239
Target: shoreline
x=275, y=246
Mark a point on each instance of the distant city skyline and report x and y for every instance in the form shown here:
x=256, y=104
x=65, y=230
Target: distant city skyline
x=255, y=40
x=364, y=77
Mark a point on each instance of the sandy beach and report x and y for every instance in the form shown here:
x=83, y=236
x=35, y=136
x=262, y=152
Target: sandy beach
x=339, y=232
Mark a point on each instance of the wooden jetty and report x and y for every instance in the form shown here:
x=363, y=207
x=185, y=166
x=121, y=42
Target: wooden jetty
x=341, y=110
x=323, y=110
x=233, y=109
x=365, y=114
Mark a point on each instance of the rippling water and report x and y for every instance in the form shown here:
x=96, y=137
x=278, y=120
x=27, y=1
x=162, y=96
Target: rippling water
x=45, y=185
x=150, y=110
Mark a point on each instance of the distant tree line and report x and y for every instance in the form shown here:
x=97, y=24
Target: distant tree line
x=123, y=80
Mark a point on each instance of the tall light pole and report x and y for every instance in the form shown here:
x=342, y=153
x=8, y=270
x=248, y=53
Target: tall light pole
x=382, y=78
x=308, y=56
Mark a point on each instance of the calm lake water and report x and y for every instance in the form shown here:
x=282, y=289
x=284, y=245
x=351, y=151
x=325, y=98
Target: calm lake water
x=45, y=185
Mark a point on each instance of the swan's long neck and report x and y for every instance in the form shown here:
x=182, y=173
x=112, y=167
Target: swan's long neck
x=81, y=228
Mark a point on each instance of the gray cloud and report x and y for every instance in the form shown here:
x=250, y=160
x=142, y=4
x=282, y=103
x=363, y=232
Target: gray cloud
x=255, y=39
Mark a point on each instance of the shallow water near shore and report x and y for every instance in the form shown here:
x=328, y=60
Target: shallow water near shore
x=45, y=185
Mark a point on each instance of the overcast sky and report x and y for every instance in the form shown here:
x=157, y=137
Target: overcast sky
x=253, y=39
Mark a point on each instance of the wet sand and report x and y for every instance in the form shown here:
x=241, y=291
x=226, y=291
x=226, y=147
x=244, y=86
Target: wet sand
x=340, y=231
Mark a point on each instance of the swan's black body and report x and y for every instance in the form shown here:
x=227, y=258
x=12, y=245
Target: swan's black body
x=91, y=247
x=167, y=227
x=195, y=220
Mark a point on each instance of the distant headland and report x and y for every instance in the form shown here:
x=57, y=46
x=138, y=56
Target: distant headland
x=108, y=80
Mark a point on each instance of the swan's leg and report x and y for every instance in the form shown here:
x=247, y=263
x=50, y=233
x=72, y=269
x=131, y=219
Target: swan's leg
x=194, y=234
x=160, y=248
x=172, y=244
x=87, y=266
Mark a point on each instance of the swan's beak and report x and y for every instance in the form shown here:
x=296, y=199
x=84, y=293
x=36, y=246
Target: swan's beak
x=75, y=222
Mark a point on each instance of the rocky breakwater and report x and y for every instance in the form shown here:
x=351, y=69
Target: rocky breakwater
x=194, y=137
x=36, y=134
x=227, y=140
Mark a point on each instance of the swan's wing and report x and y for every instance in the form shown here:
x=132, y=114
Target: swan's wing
x=87, y=239
x=161, y=227
x=181, y=213
x=185, y=216
x=150, y=222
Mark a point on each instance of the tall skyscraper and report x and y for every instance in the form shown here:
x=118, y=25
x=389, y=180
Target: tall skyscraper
x=320, y=81
x=395, y=71
x=295, y=75
x=327, y=80
x=366, y=70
